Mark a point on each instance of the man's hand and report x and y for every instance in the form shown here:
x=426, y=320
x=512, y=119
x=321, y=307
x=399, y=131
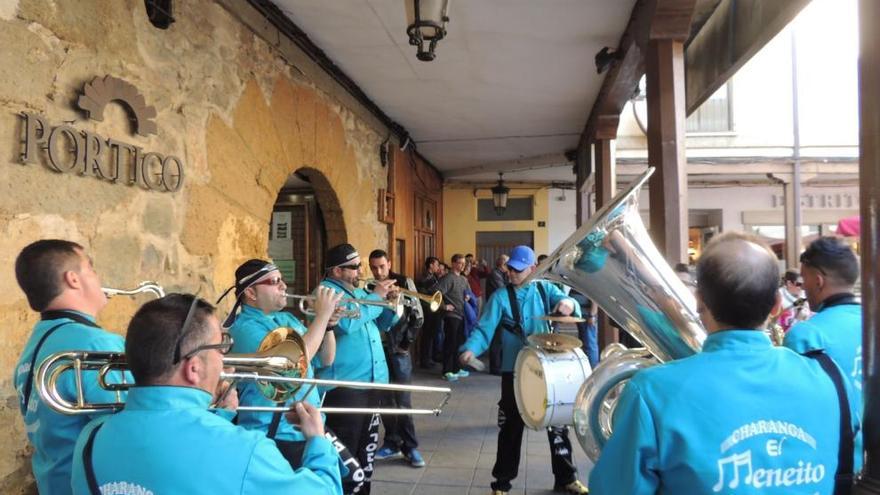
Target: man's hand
x=326, y=300
x=449, y=307
x=382, y=288
x=466, y=357
x=335, y=317
x=564, y=308
x=307, y=417
x=227, y=395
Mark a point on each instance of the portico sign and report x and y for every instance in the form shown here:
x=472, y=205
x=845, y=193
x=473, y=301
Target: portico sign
x=65, y=149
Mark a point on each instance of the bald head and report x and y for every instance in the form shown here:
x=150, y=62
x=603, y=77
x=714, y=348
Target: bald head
x=737, y=279
x=501, y=260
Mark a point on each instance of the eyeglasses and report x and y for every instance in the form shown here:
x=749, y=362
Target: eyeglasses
x=225, y=338
x=514, y=270
x=223, y=347
x=271, y=281
x=351, y=267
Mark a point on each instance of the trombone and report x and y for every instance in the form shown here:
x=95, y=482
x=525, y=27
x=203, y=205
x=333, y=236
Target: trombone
x=396, y=305
x=145, y=286
x=412, y=297
x=278, y=369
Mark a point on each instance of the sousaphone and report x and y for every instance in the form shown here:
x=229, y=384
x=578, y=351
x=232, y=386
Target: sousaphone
x=612, y=261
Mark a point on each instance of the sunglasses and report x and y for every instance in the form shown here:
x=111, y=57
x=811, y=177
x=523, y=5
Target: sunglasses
x=514, y=270
x=351, y=267
x=225, y=338
x=271, y=281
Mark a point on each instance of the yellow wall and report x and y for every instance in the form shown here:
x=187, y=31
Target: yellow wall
x=460, y=225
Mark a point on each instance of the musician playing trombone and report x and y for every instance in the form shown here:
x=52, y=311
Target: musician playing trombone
x=512, y=310
x=261, y=295
x=165, y=440
x=60, y=282
x=359, y=357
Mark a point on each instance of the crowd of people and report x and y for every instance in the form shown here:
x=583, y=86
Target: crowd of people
x=713, y=422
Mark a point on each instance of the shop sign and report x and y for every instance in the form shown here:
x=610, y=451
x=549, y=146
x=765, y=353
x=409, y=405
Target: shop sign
x=66, y=149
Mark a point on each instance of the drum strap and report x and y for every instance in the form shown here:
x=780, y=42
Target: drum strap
x=516, y=328
x=843, y=479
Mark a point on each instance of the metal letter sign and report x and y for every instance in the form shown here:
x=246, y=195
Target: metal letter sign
x=64, y=149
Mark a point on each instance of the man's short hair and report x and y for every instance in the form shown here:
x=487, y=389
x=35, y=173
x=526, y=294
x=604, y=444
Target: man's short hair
x=40, y=267
x=378, y=253
x=430, y=261
x=469, y=255
x=737, y=280
x=456, y=257
x=154, y=334
x=833, y=257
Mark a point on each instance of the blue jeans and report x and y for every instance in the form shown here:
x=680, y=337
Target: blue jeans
x=589, y=335
x=400, y=431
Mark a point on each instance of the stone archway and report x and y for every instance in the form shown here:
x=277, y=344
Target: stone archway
x=306, y=219
x=328, y=201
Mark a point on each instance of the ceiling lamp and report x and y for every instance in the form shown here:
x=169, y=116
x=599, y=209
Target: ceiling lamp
x=426, y=21
x=499, y=195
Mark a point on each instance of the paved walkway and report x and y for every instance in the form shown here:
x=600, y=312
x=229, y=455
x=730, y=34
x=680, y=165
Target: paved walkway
x=459, y=446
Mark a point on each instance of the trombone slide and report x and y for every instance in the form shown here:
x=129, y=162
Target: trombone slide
x=256, y=377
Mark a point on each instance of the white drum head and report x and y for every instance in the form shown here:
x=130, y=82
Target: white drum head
x=530, y=388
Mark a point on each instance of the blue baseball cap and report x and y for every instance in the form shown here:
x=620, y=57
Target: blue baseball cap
x=521, y=257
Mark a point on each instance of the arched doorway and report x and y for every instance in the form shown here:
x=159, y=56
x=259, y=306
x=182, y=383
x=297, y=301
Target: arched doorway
x=306, y=220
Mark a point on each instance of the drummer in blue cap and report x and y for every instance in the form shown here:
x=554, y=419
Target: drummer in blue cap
x=513, y=311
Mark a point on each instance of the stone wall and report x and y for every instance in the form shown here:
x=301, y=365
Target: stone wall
x=240, y=118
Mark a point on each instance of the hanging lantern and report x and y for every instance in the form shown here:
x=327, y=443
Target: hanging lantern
x=426, y=20
x=499, y=195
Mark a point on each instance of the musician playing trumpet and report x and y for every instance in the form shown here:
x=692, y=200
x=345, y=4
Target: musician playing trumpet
x=359, y=357
x=512, y=310
x=165, y=440
x=260, y=293
x=60, y=282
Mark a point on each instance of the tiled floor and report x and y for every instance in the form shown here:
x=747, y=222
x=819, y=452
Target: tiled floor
x=459, y=446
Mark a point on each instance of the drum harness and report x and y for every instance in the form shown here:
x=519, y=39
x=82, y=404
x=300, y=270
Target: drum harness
x=516, y=328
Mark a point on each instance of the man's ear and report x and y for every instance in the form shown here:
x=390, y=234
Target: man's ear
x=71, y=279
x=777, y=306
x=249, y=294
x=192, y=370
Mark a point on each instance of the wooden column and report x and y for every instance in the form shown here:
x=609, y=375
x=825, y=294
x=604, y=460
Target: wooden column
x=666, y=151
x=606, y=186
x=869, y=196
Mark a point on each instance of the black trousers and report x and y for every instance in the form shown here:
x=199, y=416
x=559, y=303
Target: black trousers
x=495, y=352
x=453, y=331
x=360, y=432
x=293, y=452
x=426, y=339
x=400, y=431
x=510, y=443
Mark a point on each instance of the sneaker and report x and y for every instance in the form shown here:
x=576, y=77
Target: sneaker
x=450, y=376
x=415, y=458
x=387, y=452
x=575, y=488
x=463, y=373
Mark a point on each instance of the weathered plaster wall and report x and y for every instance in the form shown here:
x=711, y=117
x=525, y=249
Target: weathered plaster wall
x=239, y=117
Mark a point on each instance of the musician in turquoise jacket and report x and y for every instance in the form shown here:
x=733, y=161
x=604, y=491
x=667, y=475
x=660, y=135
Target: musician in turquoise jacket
x=166, y=440
x=359, y=357
x=532, y=300
x=742, y=416
x=830, y=270
x=60, y=282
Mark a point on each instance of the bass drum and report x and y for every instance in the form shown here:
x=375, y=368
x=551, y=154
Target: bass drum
x=546, y=385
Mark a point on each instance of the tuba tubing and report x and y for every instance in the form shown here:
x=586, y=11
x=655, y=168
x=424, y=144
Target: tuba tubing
x=613, y=261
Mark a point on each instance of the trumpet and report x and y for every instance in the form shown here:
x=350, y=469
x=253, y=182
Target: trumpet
x=396, y=305
x=145, y=286
x=278, y=369
x=411, y=297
